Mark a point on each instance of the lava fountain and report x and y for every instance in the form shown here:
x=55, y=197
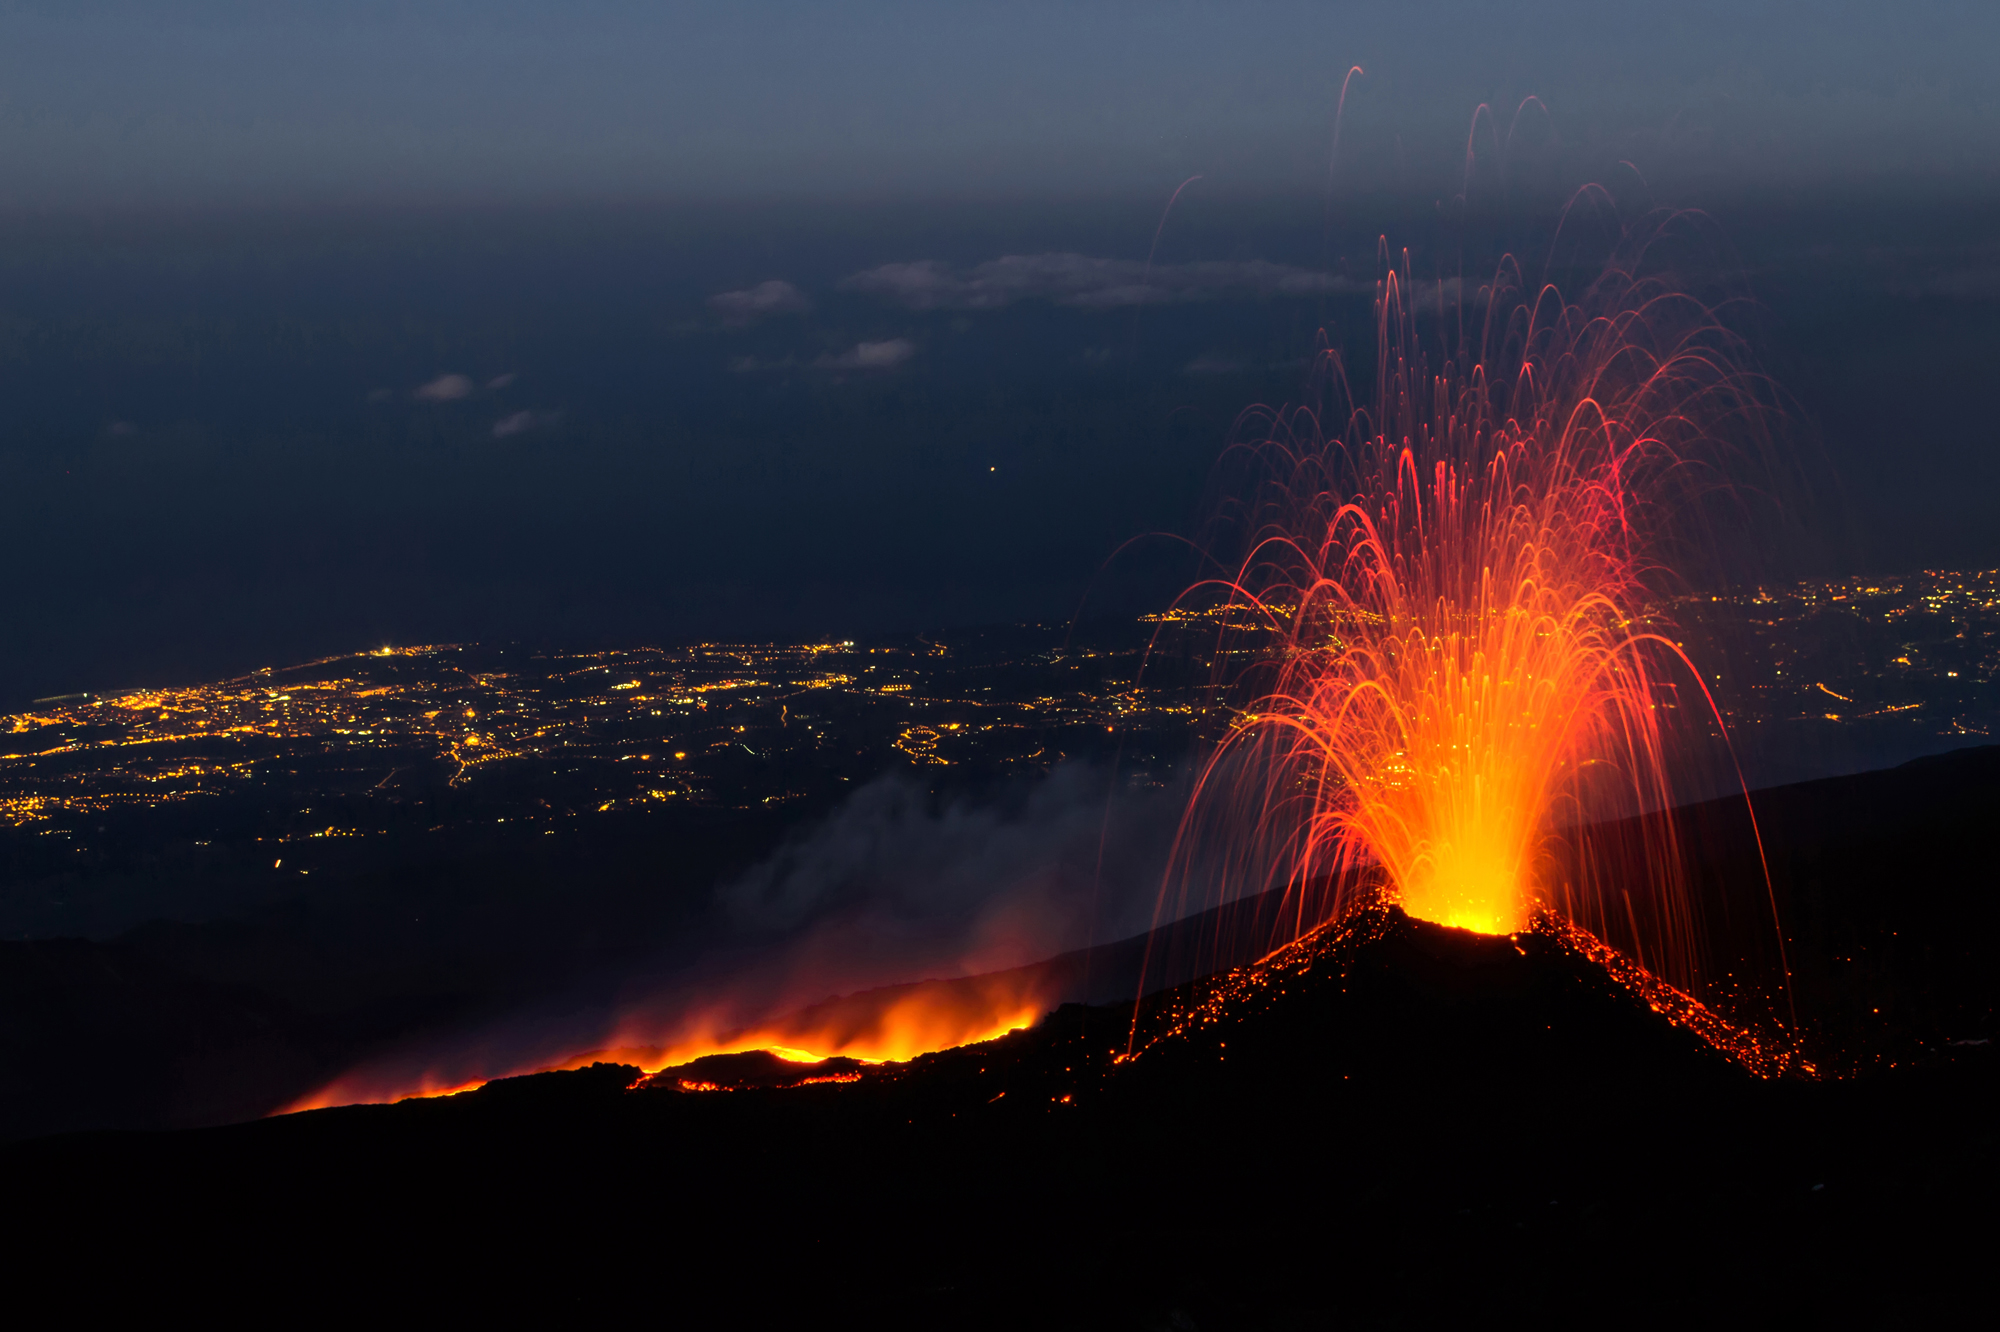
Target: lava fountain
x=1450, y=606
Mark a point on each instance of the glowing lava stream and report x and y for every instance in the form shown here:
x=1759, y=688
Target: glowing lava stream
x=886, y=1025
x=1447, y=614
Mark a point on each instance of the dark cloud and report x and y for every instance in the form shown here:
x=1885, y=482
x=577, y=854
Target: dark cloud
x=871, y=356
x=1978, y=280
x=445, y=388
x=1212, y=363
x=753, y=303
x=521, y=422
x=1084, y=282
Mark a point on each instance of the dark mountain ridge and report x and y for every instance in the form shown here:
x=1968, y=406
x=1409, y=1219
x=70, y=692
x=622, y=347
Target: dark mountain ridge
x=1885, y=882
x=1389, y=1121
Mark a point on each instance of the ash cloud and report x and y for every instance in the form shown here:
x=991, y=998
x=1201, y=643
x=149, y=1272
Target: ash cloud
x=1083, y=282
x=894, y=885
x=902, y=888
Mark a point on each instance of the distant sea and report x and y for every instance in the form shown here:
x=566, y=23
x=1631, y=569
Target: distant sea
x=233, y=441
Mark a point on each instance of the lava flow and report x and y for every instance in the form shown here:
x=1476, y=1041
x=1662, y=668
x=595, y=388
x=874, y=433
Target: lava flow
x=1456, y=655
x=888, y=1024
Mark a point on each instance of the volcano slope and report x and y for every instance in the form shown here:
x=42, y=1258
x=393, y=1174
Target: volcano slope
x=1391, y=1121
x=1388, y=1122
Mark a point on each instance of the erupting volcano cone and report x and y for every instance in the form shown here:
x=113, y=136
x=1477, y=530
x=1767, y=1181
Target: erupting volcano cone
x=1452, y=607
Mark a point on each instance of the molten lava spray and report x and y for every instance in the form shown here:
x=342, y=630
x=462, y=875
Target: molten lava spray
x=1450, y=608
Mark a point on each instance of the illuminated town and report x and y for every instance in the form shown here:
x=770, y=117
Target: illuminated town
x=419, y=740
x=292, y=763
x=1918, y=653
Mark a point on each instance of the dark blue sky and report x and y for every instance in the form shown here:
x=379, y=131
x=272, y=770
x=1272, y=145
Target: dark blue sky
x=323, y=325
x=206, y=102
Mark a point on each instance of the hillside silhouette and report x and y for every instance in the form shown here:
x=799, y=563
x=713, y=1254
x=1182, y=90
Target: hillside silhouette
x=1390, y=1121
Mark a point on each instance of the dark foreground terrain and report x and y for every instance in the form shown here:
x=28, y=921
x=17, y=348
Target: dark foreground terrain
x=1390, y=1123
x=1394, y=1123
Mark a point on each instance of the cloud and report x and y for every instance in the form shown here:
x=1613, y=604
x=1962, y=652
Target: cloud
x=520, y=422
x=743, y=365
x=1977, y=281
x=500, y=381
x=1438, y=296
x=1212, y=363
x=445, y=388
x=871, y=356
x=1086, y=283
x=753, y=303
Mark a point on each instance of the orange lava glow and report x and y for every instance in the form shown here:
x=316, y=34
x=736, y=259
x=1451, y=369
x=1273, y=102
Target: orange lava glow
x=1447, y=605
x=428, y=1093
x=1756, y=1051
x=886, y=1025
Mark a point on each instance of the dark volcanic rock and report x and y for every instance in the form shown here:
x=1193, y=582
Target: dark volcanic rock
x=1389, y=1122
x=1886, y=882
x=100, y=1035
x=1890, y=892
x=751, y=1068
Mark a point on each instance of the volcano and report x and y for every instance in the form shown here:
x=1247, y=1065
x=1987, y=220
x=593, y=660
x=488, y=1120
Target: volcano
x=1387, y=1120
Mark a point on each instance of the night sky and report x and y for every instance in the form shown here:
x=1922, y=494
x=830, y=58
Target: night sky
x=325, y=326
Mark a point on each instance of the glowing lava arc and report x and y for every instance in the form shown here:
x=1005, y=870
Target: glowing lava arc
x=1455, y=660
